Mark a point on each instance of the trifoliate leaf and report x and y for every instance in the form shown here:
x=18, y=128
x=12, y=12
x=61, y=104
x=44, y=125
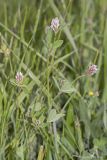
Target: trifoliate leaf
x=53, y=116
x=67, y=87
x=57, y=44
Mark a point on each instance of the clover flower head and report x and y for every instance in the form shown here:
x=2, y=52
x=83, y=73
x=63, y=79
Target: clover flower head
x=91, y=93
x=55, y=24
x=92, y=70
x=19, y=77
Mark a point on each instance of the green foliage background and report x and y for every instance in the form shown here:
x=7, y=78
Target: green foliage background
x=52, y=115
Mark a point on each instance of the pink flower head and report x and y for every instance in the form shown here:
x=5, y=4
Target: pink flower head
x=55, y=24
x=92, y=70
x=19, y=77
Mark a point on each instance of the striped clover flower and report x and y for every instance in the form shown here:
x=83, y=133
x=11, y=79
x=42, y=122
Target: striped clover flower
x=55, y=24
x=19, y=77
x=92, y=69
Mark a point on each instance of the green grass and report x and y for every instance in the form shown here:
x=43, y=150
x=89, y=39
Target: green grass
x=52, y=115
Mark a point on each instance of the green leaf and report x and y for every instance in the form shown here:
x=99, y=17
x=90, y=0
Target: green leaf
x=1, y=65
x=38, y=106
x=79, y=136
x=57, y=44
x=13, y=82
x=70, y=115
x=67, y=88
x=105, y=118
x=48, y=35
x=20, y=153
x=41, y=153
x=100, y=142
x=53, y=116
x=84, y=117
